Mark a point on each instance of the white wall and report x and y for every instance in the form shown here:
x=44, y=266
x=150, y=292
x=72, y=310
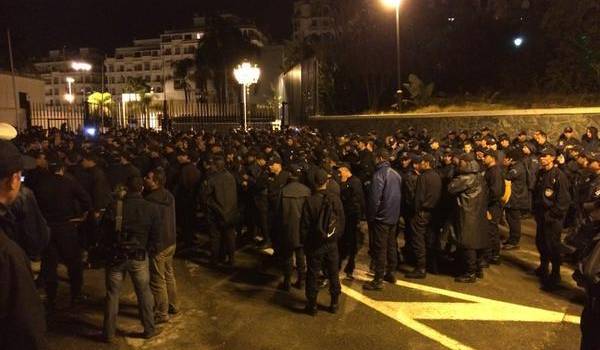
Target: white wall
x=34, y=88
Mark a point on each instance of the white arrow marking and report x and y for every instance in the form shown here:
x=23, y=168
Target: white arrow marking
x=476, y=308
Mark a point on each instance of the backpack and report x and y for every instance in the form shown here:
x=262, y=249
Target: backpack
x=327, y=220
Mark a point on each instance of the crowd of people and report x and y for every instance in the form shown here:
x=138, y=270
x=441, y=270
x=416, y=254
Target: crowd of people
x=132, y=198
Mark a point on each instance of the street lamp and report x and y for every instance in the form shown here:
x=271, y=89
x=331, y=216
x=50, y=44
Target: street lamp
x=69, y=96
x=81, y=67
x=246, y=74
x=396, y=5
x=518, y=41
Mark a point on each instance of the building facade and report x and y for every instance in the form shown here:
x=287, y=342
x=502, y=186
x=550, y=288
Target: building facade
x=313, y=18
x=154, y=60
x=30, y=90
x=56, y=71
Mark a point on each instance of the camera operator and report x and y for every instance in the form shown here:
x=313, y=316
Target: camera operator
x=133, y=227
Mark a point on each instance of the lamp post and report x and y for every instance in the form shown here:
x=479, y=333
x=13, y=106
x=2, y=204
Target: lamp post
x=82, y=67
x=396, y=5
x=246, y=74
x=69, y=96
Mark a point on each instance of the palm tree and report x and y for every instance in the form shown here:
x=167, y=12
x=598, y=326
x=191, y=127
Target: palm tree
x=222, y=48
x=183, y=74
x=144, y=99
x=99, y=104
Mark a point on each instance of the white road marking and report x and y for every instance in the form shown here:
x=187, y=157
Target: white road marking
x=475, y=308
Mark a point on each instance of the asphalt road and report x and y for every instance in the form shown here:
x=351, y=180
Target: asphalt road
x=242, y=309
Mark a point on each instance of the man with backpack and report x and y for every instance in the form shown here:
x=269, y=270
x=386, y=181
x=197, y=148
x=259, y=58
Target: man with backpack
x=321, y=224
x=383, y=212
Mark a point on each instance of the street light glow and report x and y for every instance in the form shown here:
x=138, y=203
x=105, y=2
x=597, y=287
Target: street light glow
x=69, y=98
x=518, y=41
x=81, y=66
x=70, y=80
x=247, y=74
x=392, y=3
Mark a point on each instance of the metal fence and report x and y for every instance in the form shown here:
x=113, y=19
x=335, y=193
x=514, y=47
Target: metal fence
x=177, y=115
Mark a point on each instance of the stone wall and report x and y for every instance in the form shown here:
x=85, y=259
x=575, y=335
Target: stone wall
x=553, y=121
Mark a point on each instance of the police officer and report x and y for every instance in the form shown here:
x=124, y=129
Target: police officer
x=64, y=244
x=277, y=180
x=427, y=197
x=519, y=201
x=220, y=192
x=495, y=187
x=551, y=201
x=133, y=232
x=353, y=199
x=321, y=247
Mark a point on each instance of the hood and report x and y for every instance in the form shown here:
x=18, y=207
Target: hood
x=471, y=167
x=160, y=197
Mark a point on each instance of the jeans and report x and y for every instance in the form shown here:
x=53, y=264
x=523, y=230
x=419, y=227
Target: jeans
x=384, y=248
x=140, y=276
x=162, y=282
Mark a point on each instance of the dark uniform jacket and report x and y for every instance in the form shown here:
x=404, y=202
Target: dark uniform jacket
x=495, y=185
x=293, y=197
x=220, y=192
x=353, y=198
x=428, y=191
x=99, y=188
x=551, y=196
x=22, y=317
x=55, y=189
x=471, y=198
x=311, y=240
x=32, y=233
x=141, y=223
x=519, y=197
x=166, y=204
x=274, y=187
x=118, y=174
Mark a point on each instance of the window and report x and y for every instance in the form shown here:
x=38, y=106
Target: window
x=177, y=51
x=112, y=80
x=111, y=68
x=188, y=37
x=154, y=53
x=56, y=91
x=314, y=23
x=157, y=78
x=167, y=51
x=147, y=66
x=147, y=78
x=121, y=69
x=138, y=67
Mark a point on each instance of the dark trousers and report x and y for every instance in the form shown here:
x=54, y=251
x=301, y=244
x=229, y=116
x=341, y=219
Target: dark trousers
x=64, y=247
x=422, y=240
x=288, y=262
x=140, y=276
x=590, y=319
x=472, y=259
x=547, y=240
x=494, y=233
x=513, y=219
x=348, y=244
x=187, y=218
x=262, y=217
x=327, y=257
x=222, y=241
x=384, y=248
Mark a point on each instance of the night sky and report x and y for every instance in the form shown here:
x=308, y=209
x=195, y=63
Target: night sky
x=40, y=25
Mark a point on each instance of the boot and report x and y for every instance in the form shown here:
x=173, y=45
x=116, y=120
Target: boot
x=417, y=273
x=333, y=308
x=286, y=285
x=311, y=307
x=542, y=271
x=299, y=284
x=373, y=285
x=466, y=278
x=390, y=278
x=479, y=273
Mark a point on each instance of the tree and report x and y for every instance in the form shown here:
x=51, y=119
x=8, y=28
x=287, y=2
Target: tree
x=183, y=74
x=99, y=105
x=222, y=47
